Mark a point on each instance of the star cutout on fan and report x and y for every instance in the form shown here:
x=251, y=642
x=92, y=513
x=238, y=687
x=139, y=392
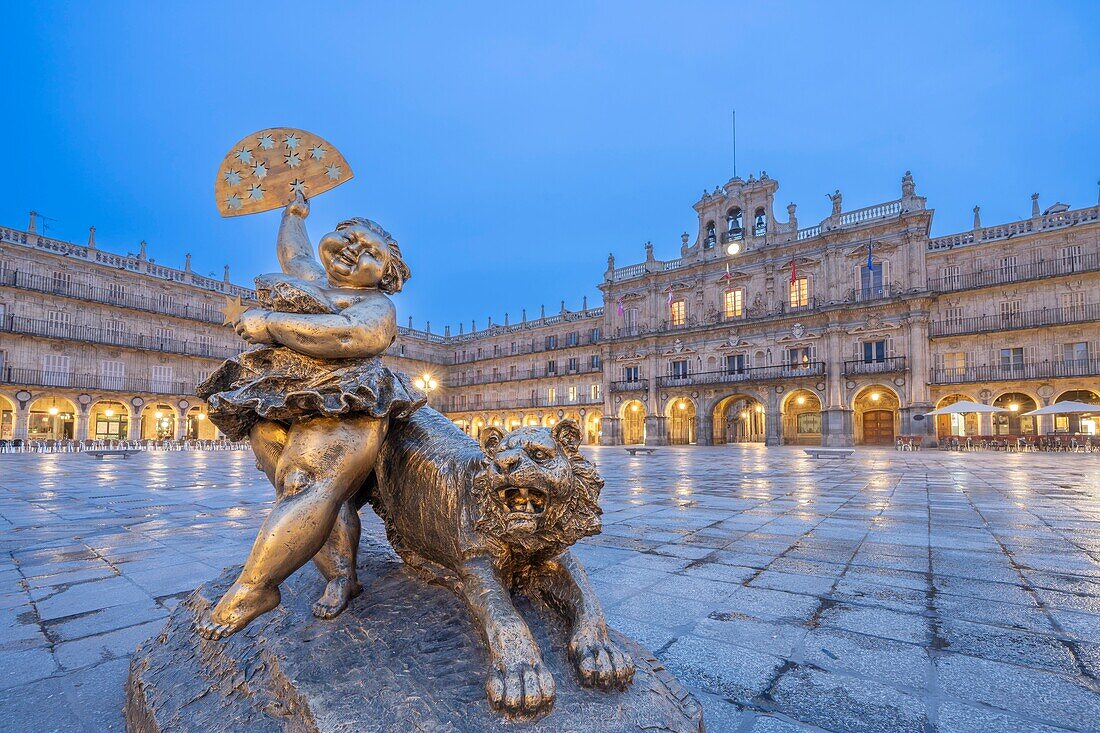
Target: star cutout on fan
x=260, y=169
x=317, y=152
x=291, y=141
x=293, y=159
x=298, y=186
x=333, y=171
x=233, y=310
x=255, y=192
x=267, y=141
x=244, y=155
x=232, y=177
x=233, y=201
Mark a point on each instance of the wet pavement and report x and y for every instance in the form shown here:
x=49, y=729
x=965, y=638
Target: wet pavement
x=888, y=592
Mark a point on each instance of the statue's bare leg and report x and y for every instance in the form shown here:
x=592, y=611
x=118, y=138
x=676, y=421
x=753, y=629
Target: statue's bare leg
x=336, y=561
x=600, y=662
x=324, y=462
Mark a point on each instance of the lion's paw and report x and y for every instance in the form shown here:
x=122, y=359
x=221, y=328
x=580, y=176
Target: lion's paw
x=599, y=661
x=521, y=688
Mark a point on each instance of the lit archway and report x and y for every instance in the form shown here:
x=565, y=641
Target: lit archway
x=593, y=427
x=876, y=411
x=7, y=418
x=957, y=425
x=108, y=420
x=476, y=427
x=52, y=418
x=802, y=418
x=463, y=425
x=739, y=418
x=1088, y=424
x=1014, y=422
x=633, y=423
x=680, y=413
x=199, y=426
x=158, y=422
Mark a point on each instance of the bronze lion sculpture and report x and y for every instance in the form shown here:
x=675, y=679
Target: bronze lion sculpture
x=485, y=520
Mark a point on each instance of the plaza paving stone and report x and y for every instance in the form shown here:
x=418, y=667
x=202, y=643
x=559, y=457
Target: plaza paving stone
x=889, y=592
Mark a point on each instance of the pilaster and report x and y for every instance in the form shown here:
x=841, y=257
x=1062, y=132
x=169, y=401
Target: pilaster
x=837, y=428
x=656, y=430
x=612, y=431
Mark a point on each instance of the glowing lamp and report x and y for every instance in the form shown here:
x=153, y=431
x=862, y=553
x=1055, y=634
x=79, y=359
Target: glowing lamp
x=875, y=396
x=200, y=416
x=1014, y=407
x=759, y=408
x=634, y=408
x=158, y=414
x=683, y=405
x=109, y=412
x=801, y=400
x=52, y=410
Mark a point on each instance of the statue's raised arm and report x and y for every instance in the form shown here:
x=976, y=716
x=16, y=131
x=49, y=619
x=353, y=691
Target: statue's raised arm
x=293, y=246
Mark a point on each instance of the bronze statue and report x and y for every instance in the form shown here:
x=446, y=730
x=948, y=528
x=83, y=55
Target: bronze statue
x=487, y=520
x=314, y=400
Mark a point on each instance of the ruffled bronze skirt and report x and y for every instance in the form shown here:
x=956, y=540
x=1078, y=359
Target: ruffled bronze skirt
x=277, y=383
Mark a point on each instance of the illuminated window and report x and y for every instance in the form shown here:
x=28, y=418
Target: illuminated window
x=800, y=292
x=551, y=395
x=594, y=392
x=572, y=394
x=679, y=313
x=734, y=303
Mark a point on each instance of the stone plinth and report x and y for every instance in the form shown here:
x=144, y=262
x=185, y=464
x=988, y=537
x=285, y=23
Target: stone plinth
x=405, y=657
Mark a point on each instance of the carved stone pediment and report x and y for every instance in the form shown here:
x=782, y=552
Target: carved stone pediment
x=631, y=296
x=877, y=247
x=679, y=347
x=874, y=324
x=630, y=356
x=735, y=276
x=734, y=343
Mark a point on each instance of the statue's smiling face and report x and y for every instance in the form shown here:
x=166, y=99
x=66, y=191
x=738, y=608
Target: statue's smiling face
x=353, y=256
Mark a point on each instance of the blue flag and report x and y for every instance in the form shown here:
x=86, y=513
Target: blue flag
x=870, y=262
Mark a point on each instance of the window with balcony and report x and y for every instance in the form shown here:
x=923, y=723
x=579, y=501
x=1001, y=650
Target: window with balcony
x=572, y=394
x=479, y=351
x=871, y=281
x=735, y=224
x=950, y=275
x=759, y=223
x=1071, y=257
x=496, y=349
x=162, y=334
x=116, y=292
x=734, y=303
x=953, y=314
x=58, y=373
x=594, y=361
x=61, y=282
x=630, y=320
x=551, y=367
x=679, y=313
x=513, y=347
x=1012, y=359
x=164, y=303
x=551, y=342
x=594, y=391
x=1076, y=352
x=551, y=395
x=630, y=374
x=573, y=364
x=112, y=374
x=594, y=336
x=1008, y=267
x=161, y=378
x=678, y=369
x=1073, y=300
x=954, y=362
x=800, y=292
x=735, y=364
x=874, y=352
x=512, y=371
x=1010, y=311
x=573, y=338
x=799, y=356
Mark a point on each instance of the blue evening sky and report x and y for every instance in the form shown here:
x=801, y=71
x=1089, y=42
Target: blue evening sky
x=510, y=146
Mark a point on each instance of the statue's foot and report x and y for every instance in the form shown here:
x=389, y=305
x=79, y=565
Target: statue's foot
x=521, y=688
x=240, y=604
x=338, y=594
x=599, y=661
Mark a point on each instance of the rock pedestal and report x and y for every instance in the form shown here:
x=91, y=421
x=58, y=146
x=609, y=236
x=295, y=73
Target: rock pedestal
x=403, y=658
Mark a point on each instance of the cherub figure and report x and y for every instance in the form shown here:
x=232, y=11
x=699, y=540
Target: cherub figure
x=315, y=402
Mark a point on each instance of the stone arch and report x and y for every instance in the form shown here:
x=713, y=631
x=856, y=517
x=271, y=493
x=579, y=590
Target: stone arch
x=738, y=418
x=1089, y=424
x=1014, y=422
x=7, y=417
x=593, y=426
x=109, y=419
x=52, y=417
x=876, y=415
x=158, y=420
x=462, y=424
x=632, y=414
x=800, y=413
x=476, y=426
x=198, y=425
x=680, y=413
x=957, y=425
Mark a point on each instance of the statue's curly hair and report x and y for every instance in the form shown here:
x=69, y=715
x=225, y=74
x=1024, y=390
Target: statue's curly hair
x=396, y=272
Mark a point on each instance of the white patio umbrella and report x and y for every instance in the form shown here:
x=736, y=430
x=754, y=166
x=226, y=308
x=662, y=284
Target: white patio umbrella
x=1069, y=407
x=965, y=407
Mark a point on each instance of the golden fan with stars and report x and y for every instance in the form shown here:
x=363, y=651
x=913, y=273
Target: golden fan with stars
x=268, y=169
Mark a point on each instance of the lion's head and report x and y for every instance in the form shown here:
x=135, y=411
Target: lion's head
x=537, y=491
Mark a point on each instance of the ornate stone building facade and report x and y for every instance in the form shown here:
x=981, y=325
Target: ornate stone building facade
x=846, y=331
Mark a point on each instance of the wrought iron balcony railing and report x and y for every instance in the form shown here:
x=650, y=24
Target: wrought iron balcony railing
x=630, y=385
x=887, y=365
x=1017, y=273
x=522, y=403
x=1015, y=321
x=93, y=382
x=1027, y=370
x=751, y=374
x=113, y=337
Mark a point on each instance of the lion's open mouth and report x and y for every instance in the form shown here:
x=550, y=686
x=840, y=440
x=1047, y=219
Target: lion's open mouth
x=524, y=501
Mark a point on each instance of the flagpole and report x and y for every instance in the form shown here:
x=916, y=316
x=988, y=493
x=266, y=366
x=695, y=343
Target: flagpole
x=735, y=143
